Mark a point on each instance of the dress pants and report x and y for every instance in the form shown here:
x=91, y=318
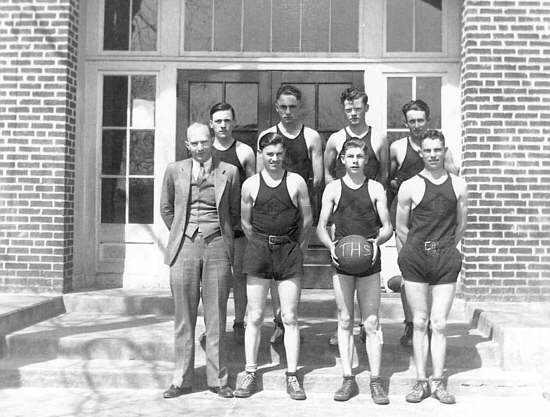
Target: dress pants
x=202, y=263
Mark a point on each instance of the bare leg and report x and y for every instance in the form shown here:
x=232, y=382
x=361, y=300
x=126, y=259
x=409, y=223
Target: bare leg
x=289, y=295
x=368, y=293
x=344, y=288
x=417, y=296
x=442, y=300
x=256, y=289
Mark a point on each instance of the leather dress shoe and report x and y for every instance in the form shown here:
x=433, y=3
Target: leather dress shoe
x=223, y=392
x=175, y=391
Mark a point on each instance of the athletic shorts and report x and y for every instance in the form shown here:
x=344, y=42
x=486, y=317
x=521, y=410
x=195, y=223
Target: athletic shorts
x=430, y=267
x=377, y=267
x=279, y=262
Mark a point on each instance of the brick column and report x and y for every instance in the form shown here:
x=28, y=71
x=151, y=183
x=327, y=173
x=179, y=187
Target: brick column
x=38, y=48
x=505, y=82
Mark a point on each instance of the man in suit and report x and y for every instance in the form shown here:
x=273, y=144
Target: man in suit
x=199, y=205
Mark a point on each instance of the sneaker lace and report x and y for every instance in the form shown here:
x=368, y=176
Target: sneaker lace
x=377, y=389
x=248, y=380
x=294, y=384
x=439, y=390
x=418, y=388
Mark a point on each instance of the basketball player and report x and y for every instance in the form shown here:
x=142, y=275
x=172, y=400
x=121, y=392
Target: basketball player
x=430, y=221
x=405, y=162
x=357, y=205
x=304, y=156
x=228, y=149
x=276, y=218
x=355, y=105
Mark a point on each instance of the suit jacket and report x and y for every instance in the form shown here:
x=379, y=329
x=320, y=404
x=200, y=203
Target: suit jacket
x=174, y=202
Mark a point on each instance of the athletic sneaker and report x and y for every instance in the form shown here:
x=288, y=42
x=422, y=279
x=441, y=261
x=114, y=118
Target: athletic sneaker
x=249, y=386
x=238, y=332
x=419, y=391
x=407, y=338
x=278, y=335
x=377, y=391
x=439, y=391
x=348, y=389
x=294, y=388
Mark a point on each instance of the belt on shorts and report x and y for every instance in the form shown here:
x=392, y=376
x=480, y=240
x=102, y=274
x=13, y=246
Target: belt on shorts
x=273, y=239
x=433, y=246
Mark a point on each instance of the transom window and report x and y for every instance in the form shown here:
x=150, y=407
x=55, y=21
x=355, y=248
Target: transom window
x=414, y=26
x=128, y=147
x=272, y=25
x=130, y=25
x=406, y=88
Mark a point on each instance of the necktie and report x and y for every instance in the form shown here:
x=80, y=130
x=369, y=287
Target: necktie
x=202, y=173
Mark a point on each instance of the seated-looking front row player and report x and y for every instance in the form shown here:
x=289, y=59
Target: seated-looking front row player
x=276, y=219
x=431, y=218
x=357, y=206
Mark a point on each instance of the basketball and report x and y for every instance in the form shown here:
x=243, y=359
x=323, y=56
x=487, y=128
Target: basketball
x=354, y=254
x=394, y=283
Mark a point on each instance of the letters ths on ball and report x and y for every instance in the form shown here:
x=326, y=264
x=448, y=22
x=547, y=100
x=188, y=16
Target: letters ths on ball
x=354, y=254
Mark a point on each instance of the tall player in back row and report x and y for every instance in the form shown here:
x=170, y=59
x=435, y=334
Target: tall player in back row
x=228, y=149
x=430, y=221
x=304, y=156
x=357, y=206
x=406, y=162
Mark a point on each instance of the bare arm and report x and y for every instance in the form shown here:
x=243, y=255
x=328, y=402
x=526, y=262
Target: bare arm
x=394, y=165
x=326, y=210
x=449, y=163
x=386, y=231
x=383, y=155
x=316, y=156
x=461, y=210
x=305, y=209
x=246, y=208
x=167, y=199
x=330, y=158
x=247, y=159
x=404, y=201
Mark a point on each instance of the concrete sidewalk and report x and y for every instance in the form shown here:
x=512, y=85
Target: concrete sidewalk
x=46, y=402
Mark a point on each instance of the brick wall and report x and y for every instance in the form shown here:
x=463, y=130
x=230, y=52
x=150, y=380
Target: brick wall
x=38, y=47
x=506, y=148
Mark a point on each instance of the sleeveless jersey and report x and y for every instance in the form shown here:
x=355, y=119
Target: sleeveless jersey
x=412, y=165
x=434, y=218
x=372, y=165
x=297, y=155
x=274, y=213
x=355, y=214
x=230, y=156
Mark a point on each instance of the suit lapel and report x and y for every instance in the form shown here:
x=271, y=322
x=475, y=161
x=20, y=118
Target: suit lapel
x=186, y=172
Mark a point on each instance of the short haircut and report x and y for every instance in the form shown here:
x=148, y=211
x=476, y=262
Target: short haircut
x=352, y=93
x=289, y=90
x=354, y=143
x=221, y=107
x=419, y=105
x=432, y=134
x=271, y=138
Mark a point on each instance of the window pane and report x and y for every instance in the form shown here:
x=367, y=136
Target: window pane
x=113, y=200
x=203, y=96
x=116, y=25
x=399, y=93
x=142, y=152
x=115, y=100
x=345, y=26
x=429, y=90
x=227, y=25
x=141, y=201
x=144, y=25
x=399, y=24
x=315, y=25
x=257, y=23
x=286, y=26
x=143, y=91
x=198, y=25
x=244, y=99
x=427, y=26
x=331, y=114
x=113, y=152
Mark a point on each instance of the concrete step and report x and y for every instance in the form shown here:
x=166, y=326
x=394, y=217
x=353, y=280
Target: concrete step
x=150, y=338
x=313, y=303
x=18, y=311
x=102, y=374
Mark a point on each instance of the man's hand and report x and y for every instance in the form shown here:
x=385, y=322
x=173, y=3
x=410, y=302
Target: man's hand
x=375, y=250
x=333, y=253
